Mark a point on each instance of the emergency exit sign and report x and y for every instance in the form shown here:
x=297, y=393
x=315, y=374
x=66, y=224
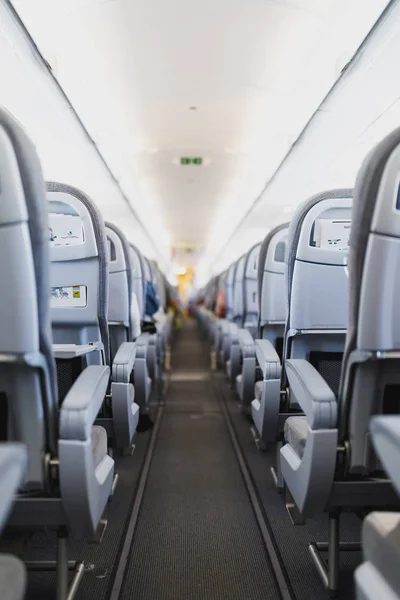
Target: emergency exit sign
x=187, y=160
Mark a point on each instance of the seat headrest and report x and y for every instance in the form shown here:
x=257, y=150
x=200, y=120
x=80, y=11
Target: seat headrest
x=137, y=262
x=230, y=274
x=305, y=241
x=271, y=254
x=147, y=269
x=251, y=265
x=139, y=279
x=119, y=255
x=240, y=268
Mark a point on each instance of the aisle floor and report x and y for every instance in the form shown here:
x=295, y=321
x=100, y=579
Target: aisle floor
x=197, y=537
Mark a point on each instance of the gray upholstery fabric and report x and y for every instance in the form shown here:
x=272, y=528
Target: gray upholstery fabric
x=365, y=194
x=101, y=241
x=12, y=578
x=244, y=278
x=258, y=388
x=228, y=368
x=295, y=229
x=127, y=254
x=143, y=275
x=99, y=444
x=296, y=431
x=381, y=543
x=239, y=382
x=262, y=258
x=36, y=201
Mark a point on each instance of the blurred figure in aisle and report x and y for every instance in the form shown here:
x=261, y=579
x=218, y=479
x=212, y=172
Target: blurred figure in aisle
x=220, y=305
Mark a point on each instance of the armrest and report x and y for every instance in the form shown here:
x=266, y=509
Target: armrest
x=226, y=326
x=246, y=343
x=143, y=339
x=123, y=362
x=312, y=393
x=13, y=459
x=233, y=332
x=142, y=343
x=386, y=437
x=268, y=359
x=81, y=405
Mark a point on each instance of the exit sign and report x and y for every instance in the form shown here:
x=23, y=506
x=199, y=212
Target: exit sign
x=187, y=160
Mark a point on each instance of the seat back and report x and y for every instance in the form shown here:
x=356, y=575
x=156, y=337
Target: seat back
x=250, y=291
x=370, y=381
x=147, y=277
x=271, y=286
x=79, y=279
x=229, y=282
x=159, y=284
x=121, y=289
x=238, y=296
x=28, y=387
x=138, y=278
x=210, y=294
x=317, y=282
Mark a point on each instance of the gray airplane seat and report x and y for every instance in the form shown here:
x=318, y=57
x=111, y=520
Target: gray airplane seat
x=231, y=348
x=208, y=310
x=13, y=460
x=379, y=575
x=79, y=302
x=316, y=289
x=161, y=318
x=323, y=477
x=139, y=288
x=271, y=326
x=69, y=474
x=120, y=280
x=316, y=296
x=223, y=326
x=246, y=378
x=154, y=340
x=123, y=315
x=170, y=314
x=138, y=279
x=250, y=291
x=216, y=284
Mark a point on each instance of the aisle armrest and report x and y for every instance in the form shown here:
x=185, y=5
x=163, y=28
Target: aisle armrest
x=246, y=343
x=310, y=390
x=82, y=404
x=268, y=359
x=123, y=362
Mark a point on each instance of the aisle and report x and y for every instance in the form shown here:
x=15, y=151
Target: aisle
x=196, y=538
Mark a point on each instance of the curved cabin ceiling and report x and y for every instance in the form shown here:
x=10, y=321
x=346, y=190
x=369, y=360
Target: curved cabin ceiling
x=232, y=82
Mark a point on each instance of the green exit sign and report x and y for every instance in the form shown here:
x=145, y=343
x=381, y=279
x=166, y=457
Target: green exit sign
x=186, y=160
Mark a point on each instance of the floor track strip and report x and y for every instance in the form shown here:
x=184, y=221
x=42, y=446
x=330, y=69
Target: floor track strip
x=126, y=548
x=281, y=577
